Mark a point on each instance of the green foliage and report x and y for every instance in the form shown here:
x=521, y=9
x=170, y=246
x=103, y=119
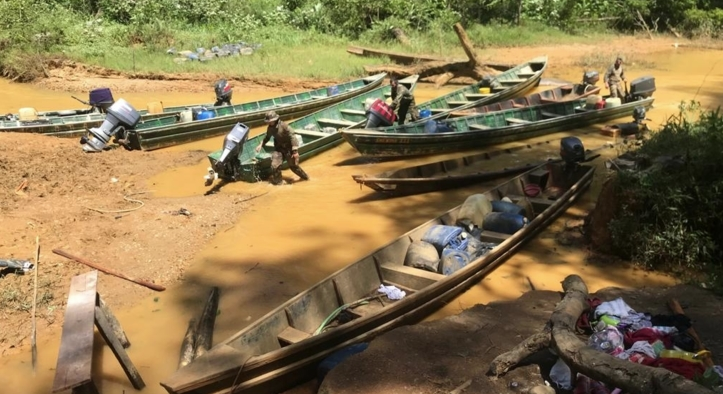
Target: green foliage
x=671, y=216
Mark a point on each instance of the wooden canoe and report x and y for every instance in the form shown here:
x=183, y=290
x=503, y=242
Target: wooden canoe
x=509, y=84
x=555, y=95
x=281, y=348
x=319, y=132
x=458, y=172
x=164, y=134
x=477, y=131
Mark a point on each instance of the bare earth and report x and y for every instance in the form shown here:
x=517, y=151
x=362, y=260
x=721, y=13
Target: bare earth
x=51, y=189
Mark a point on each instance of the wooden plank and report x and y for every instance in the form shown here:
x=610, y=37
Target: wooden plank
x=115, y=324
x=313, y=133
x=315, y=305
x=516, y=121
x=106, y=331
x=453, y=103
x=75, y=357
x=512, y=81
x=493, y=236
x=478, y=127
x=477, y=96
x=526, y=75
x=291, y=335
x=336, y=122
x=357, y=281
x=409, y=277
x=546, y=114
x=353, y=112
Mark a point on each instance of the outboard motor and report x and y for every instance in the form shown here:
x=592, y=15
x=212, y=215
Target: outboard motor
x=380, y=114
x=228, y=164
x=101, y=98
x=590, y=77
x=639, y=114
x=121, y=116
x=641, y=88
x=572, y=151
x=223, y=93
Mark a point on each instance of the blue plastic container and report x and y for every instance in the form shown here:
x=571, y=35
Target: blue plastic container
x=442, y=236
x=503, y=222
x=336, y=358
x=425, y=113
x=332, y=90
x=505, y=206
x=206, y=115
x=433, y=126
x=452, y=261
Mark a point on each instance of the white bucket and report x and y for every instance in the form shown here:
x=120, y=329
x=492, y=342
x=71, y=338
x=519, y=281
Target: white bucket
x=186, y=116
x=612, y=102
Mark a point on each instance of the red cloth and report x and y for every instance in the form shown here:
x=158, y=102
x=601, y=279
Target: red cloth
x=646, y=334
x=681, y=367
x=583, y=322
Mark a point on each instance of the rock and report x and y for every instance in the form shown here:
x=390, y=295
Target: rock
x=541, y=390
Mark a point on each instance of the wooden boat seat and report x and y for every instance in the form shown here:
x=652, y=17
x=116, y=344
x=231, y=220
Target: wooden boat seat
x=313, y=96
x=336, y=122
x=457, y=103
x=492, y=236
x=353, y=112
x=290, y=335
x=476, y=96
x=526, y=75
x=516, y=121
x=538, y=204
x=549, y=115
x=479, y=127
x=512, y=81
x=438, y=110
x=409, y=277
x=313, y=133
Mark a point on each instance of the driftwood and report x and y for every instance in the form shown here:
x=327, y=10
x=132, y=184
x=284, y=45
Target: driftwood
x=443, y=71
x=630, y=377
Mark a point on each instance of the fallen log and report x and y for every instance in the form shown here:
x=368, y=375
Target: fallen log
x=189, y=344
x=473, y=67
x=630, y=377
x=204, y=335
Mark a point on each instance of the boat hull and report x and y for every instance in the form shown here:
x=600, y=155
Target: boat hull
x=416, y=143
x=251, y=114
x=233, y=365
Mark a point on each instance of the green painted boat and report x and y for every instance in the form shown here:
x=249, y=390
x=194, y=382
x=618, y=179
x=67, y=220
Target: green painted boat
x=318, y=131
x=482, y=130
x=175, y=130
x=509, y=84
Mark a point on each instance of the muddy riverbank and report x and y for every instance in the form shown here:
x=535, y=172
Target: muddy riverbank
x=263, y=251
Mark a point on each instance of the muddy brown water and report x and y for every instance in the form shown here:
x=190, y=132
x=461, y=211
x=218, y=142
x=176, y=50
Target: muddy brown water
x=295, y=235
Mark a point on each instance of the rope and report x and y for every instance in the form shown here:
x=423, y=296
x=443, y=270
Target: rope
x=127, y=198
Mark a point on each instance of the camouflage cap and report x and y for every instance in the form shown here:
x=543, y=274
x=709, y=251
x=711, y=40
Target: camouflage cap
x=271, y=116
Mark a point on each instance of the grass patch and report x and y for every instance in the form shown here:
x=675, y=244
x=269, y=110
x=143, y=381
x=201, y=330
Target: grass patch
x=602, y=59
x=291, y=53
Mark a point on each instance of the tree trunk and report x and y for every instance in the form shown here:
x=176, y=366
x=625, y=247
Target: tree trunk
x=630, y=377
x=400, y=36
x=467, y=45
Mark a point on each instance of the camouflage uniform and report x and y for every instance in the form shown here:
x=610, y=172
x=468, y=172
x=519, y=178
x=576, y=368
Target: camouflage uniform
x=285, y=144
x=613, y=77
x=403, y=101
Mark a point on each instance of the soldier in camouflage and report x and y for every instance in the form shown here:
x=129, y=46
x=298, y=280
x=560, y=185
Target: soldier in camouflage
x=403, y=102
x=286, y=147
x=613, y=77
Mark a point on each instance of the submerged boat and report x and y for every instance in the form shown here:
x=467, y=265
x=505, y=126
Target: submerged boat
x=317, y=132
x=510, y=83
x=555, y=95
x=429, y=264
x=193, y=125
x=469, y=132
x=459, y=172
